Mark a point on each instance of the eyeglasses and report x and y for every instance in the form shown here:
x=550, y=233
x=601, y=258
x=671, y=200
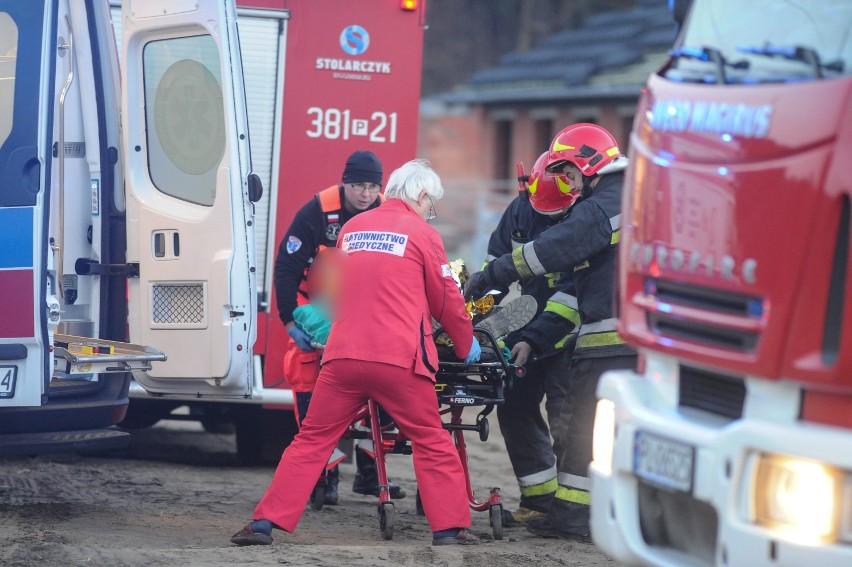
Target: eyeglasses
x=432, y=214
x=371, y=188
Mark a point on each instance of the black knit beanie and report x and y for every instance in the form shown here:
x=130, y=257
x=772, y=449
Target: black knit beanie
x=363, y=167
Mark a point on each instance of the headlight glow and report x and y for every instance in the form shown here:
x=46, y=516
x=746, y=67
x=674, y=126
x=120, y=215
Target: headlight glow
x=797, y=497
x=604, y=436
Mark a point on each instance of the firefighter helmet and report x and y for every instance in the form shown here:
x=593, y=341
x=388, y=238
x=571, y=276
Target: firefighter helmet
x=588, y=146
x=550, y=193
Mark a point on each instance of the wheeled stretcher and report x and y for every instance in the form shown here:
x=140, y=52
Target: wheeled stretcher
x=458, y=386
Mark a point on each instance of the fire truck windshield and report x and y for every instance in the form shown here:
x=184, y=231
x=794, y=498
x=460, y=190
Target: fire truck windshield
x=767, y=41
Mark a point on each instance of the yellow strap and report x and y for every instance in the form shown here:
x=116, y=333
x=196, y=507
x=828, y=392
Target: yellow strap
x=565, y=340
x=616, y=237
x=539, y=489
x=573, y=495
x=524, y=271
x=599, y=339
x=563, y=311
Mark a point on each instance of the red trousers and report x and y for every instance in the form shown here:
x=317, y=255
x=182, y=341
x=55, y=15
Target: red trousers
x=343, y=387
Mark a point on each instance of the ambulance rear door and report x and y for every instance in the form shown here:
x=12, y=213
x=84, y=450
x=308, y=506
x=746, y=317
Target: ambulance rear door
x=190, y=196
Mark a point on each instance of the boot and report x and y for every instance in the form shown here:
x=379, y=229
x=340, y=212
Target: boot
x=331, y=480
x=367, y=478
x=568, y=520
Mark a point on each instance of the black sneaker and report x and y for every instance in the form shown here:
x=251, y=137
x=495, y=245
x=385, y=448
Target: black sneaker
x=247, y=537
x=464, y=537
x=331, y=497
x=360, y=486
x=542, y=527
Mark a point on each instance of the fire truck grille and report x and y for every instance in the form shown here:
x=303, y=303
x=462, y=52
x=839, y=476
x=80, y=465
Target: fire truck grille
x=709, y=300
x=711, y=392
x=180, y=305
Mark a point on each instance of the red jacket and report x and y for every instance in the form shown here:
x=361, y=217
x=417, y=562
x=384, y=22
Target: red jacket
x=396, y=279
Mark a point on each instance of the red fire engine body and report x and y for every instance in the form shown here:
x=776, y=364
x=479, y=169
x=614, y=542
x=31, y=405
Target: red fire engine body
x=731, y=444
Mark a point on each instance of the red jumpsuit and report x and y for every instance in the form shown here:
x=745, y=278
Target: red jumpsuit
x=396, y=278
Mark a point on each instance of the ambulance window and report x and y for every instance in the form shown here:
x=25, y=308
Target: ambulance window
x=8, y=59
x=184, y=117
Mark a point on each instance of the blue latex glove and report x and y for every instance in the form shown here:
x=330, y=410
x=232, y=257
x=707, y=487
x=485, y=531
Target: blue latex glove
x=301, y=338
x=475, y=351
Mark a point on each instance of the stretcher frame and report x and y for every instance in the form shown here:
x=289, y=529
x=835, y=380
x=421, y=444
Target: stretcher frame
x=458, y=386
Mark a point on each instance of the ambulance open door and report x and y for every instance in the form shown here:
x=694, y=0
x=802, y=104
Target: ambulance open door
x=189, y=196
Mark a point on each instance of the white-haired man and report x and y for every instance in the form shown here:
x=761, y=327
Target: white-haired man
x=396, y=278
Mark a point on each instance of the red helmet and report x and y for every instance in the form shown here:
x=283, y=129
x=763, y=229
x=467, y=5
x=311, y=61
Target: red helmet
x=550, y=193
x=588, y=146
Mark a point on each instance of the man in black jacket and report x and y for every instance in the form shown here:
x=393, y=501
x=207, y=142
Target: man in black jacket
x=315, y=227
x=543, y=202
x=584, y=243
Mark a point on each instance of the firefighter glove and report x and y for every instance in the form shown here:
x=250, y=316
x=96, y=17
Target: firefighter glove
x=477, y=284
x=475, y=351
x=301, y=338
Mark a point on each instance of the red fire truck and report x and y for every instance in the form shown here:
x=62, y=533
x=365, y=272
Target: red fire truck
x=167, y=226
x=731, y=444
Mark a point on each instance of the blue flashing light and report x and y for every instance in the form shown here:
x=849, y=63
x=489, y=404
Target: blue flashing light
x=755, y=308
x=723, y=170
x=727, y=137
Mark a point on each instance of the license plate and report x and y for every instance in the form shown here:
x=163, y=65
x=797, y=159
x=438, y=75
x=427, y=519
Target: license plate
x=663, y=462
x=7, y=381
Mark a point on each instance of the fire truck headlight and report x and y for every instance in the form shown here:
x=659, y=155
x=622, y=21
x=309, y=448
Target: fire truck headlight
x=604, y=436
x=797, y=497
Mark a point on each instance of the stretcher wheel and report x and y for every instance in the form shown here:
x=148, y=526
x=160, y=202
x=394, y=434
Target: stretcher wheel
x=496, y=516
x=418, y=505
x=318, y=497
x=386, y=519
x=483, y=429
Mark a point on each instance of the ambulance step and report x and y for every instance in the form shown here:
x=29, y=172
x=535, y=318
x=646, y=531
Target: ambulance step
x=61, y=387
x=86, y=355
x=62, y=442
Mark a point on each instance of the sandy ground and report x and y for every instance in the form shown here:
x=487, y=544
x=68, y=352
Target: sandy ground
x=178, y=493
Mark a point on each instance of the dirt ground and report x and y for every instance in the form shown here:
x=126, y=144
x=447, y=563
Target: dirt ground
x=178, y=493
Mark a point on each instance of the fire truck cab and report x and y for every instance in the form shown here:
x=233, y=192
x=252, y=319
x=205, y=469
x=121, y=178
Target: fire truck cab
x=732, y=443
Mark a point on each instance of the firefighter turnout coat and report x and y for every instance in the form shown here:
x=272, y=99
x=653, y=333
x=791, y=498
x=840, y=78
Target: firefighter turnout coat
x=584, y=243
x=557, y=317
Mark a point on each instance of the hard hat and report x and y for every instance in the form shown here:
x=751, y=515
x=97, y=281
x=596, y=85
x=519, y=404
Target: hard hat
x=550, y=193
x=588, y=146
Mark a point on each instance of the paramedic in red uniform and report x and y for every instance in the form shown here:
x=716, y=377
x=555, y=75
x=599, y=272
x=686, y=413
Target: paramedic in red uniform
x=316, y=226
x=396, y=279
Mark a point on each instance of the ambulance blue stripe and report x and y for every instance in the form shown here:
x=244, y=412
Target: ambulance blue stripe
x=16, y=236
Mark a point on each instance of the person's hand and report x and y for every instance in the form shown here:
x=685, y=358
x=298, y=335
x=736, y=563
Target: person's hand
x=301, y=338
x=477, y=284
x=520, y=353
x=475, y=352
